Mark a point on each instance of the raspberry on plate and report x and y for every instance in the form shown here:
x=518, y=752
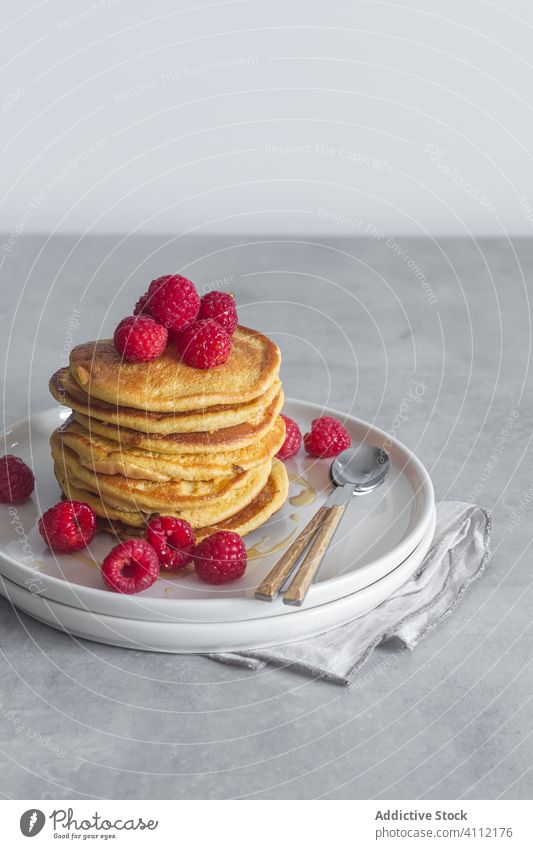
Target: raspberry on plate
x=220, y=306
x=204, y=344
x=173, y=301
x=131, y=567
x=328, y=437
x=139, y=339
x=293, y=439
x=16, y=480
x=172, y=540
x=220, y=558
x=68, y=526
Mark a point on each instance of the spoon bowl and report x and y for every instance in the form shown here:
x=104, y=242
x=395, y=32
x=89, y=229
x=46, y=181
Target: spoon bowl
x=362, y=468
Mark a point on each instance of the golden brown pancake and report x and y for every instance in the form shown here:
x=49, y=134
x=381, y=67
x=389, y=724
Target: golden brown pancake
x=65, y=390
x=215, y=495
x=105, y=456
x=269, y=500
x=168, y=385
x=198, y=517
x=256, y=513
x=76, y=491
x=227, y=439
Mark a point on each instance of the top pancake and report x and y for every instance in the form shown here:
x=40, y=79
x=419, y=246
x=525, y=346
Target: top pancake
x=168, y=385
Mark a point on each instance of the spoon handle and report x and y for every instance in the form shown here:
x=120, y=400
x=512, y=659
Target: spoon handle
x=301, y=582
x=281, y=571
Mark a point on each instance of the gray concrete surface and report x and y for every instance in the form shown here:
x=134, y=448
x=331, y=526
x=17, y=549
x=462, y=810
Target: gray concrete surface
x=357, y=320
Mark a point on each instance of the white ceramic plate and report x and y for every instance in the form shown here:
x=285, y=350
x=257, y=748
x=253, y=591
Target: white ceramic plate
x=378, y=532
x=187, y=637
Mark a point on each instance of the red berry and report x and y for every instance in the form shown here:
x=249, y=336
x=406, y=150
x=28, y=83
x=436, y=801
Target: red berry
x=139, y=339
x=204, y=344
x=16, y=480
x=293, y=439
x=220, y=558
x=173, y=301
x=328, y=437
x=68, y=526
x=131, y=567
x=142, y=307
x=172, y=540
x=220, y=306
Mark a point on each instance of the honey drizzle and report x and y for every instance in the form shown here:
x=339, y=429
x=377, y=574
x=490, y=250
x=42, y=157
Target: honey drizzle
x=255, y=551
x=306, y=495
x=85, y=559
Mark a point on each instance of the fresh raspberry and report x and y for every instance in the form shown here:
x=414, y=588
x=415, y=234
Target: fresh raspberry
x=220, y=306
x=16, y=480
x=204, y=344
x=172, y=540
x=139, y=339
x=220, y=558
x=142, y=307
x=68, y=526
x=293, y=439
x=328, y=437
x=131, y=567
x=173, y=301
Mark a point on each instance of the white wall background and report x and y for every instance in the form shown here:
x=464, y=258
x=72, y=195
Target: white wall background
x=253, y=115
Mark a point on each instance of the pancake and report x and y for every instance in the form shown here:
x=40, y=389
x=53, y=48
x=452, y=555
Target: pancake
x=65, y=390
x=206, y=515
x=105, y=456
x=167, y=385
x=227, y=439
x=76, y=492
x=268, y=501
x=215, y=495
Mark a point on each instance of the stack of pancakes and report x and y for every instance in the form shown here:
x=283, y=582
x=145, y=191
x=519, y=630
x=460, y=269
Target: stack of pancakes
x=161, y=438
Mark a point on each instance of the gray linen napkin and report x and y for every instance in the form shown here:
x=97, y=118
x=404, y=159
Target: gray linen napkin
x=458, y=556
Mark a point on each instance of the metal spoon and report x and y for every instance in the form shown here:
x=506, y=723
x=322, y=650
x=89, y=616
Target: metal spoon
x=356, y=471
x=362, y=468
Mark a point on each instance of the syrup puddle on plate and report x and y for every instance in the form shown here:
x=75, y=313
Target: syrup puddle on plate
x=306, y=495
x=258, y=551
x=85, y=559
